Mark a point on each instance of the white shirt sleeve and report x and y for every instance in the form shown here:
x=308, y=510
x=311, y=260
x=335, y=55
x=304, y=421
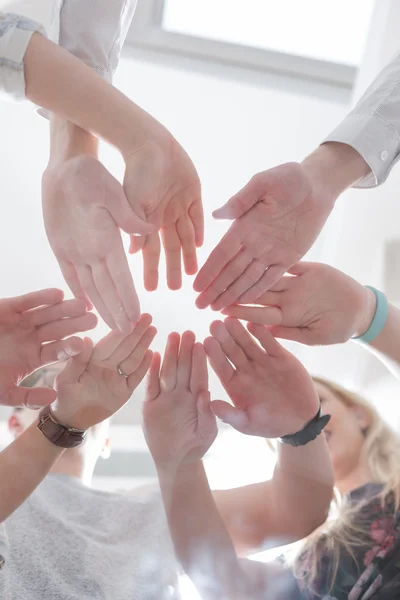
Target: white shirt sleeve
x=15, y=34
x=373, y=126
x=95, y=31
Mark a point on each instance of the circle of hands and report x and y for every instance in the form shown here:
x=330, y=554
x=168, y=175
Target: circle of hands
x=253, y=274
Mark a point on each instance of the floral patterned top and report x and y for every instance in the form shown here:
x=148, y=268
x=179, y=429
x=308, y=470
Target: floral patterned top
x=375, y=574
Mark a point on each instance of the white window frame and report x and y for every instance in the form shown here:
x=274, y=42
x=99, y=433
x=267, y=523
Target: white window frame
x=147, y=33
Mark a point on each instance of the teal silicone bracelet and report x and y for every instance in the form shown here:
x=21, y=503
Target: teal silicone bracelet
x=380, y=317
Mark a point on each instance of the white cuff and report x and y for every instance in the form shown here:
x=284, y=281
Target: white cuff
x=15, y=35
x=375, y=141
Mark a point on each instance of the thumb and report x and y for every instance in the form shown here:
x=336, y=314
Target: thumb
x=230, y=414
x=126, y=218
x=76, y=365
x=32, y=398
x=241, y=202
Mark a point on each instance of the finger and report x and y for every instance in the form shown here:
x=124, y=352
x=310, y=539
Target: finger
x=197, y=217
x=241, y=202
x=32, y=398
x=137, y=376
x=266, y=315
x=230, y=348
x=248, y=276
x=123, y=281
x=300, y=268
x=199, y=375
x=185, y=359
x=60, y=350
x=271, y=276
x=122, y=213
x=185, y=230
x=65, y=309
x=121, y=345
x=172, y=248
x=65, y=327
x=266, y=339
x=137, y=243
x=218, y=361
x=153, y=380
x=170, y=363
x=36, y=299
x=77, y=365
x=107, y=291
x=244, y=339
x=135, y=358
x=151, y=260
x=224, y=279
x=86, y=278
x=227, y=248
x=206, y=418
x=70, y=275
x=295, y=334
x=230, y=414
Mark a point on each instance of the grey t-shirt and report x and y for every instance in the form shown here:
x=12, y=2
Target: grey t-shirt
x=71, y=542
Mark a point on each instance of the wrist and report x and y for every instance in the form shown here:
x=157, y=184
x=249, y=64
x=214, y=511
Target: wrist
x=366, y=312
x=68, y=141
x=334, y=167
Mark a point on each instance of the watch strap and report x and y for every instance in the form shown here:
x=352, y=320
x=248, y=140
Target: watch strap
x=310, y=431
x=60, y=435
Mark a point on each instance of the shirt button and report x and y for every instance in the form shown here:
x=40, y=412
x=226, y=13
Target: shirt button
x=384, y=154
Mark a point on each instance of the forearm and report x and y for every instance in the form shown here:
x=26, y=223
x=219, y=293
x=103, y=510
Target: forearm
x=302, y=487
x=201, y=542
x=334, y=167
x=68, y=140
x=23, y=465
x=64, y=85
x=284, y=509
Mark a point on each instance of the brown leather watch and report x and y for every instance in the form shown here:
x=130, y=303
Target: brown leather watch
x=60, y=435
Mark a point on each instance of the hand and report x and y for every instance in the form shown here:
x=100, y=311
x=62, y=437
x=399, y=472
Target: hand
x=90, y=389
x=162, y=187
x=320, y=305
x=178, y=423
x=32, y=328
x=83, y=209
x=279, y=214
x=272, y=393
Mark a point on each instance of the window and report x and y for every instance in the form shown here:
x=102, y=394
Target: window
x=325, y=30
x=314, y=39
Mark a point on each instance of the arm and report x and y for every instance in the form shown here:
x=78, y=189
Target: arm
x=203, y=545
x=270, y=382
x=177, y=407
x=294, y=197
x=277, y=512
x=89, y=391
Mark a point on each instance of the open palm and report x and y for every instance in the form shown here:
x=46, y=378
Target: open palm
x=92, y=383
x=272, y=393
x=163, y=188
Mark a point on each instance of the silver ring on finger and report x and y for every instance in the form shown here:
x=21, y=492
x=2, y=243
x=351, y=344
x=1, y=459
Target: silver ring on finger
x=120, y=372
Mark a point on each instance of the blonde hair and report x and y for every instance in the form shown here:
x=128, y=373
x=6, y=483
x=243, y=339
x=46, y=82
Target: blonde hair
x=381, y=450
